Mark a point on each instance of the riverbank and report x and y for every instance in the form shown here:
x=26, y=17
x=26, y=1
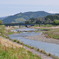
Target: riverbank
x=53, y=33
x=7, y=43
x=42, y=55
x=12, y=50
x=49, y=34
x=43, y=39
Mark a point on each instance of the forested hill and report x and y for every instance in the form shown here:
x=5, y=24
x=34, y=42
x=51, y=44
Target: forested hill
x=50, y=19
x=21, y=17
x=1, y=18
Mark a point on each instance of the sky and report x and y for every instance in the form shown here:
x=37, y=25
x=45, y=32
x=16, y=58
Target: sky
x=11, y=7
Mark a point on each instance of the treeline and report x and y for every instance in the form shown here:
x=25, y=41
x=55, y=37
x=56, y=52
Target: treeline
x=51, y=19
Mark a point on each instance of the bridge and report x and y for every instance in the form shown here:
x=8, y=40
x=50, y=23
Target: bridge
x=18, y=24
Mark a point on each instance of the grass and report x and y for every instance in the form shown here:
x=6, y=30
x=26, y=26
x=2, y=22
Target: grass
x=10, y=33
x=47, y=25
x=49, y=33
x=42, y=25
x=4, y=32
x=2, y=29
x=39, y=50
x=53, y=33
x=16, y=53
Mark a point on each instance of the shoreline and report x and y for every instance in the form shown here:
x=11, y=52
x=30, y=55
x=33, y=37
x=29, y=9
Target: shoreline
x=43, y=39
x=14, y=44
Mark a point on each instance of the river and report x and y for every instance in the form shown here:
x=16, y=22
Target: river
x=48, y=47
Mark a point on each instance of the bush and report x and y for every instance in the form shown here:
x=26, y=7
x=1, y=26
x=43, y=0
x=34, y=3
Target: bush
x=15, y=40
x=56, y=22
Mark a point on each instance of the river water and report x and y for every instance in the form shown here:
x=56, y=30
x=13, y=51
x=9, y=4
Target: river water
x=48, y=47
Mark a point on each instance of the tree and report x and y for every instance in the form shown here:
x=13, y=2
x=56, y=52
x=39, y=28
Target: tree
x=1, y=21
x=56, y=22
x=27, y=22
x=32, y=20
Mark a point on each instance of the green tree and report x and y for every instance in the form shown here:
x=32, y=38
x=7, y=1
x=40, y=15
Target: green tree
x=27, y=22
x=56, y=22
x=32, y=20
x=1, y=21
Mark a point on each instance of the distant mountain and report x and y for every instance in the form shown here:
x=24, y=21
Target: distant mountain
x=21, y=17
x=1, y=18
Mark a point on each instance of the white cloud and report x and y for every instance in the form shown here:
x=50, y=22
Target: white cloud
x=53, y=12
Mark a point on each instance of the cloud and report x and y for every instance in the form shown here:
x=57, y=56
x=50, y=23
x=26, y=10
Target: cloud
x=53, y=12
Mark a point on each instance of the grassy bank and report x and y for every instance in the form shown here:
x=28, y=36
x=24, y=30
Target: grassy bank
x=4, y=32
x=13, y=53
x=16, y=53
x=49, y=31
x=42, y=25
x=39, y=50
x=53, y=33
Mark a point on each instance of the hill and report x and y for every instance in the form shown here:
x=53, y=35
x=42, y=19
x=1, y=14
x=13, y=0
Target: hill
x=21, y=17
x=50, y=19
x=1, y=18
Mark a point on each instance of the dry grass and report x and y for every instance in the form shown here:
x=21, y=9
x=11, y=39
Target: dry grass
x=10, y=50
x=53, y=33
x=8, y=43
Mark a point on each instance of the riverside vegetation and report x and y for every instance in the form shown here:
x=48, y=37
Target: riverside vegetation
x=52, y=33
x=33, y=56
x=14, y=53
x=4, y=32
x=49, y=31
x=36, y=49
